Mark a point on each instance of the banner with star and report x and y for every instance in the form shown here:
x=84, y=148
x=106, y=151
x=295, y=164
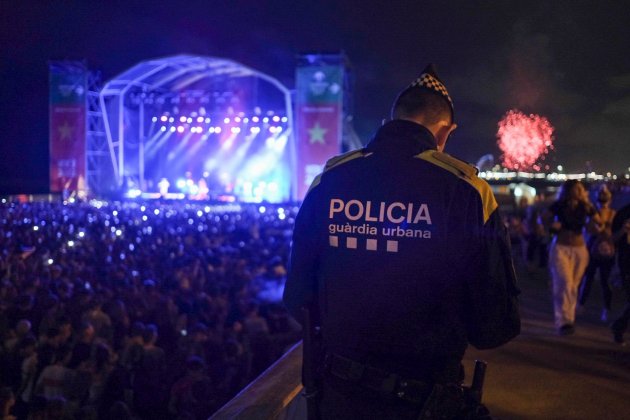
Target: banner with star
x=319, y=97
x=68, y=85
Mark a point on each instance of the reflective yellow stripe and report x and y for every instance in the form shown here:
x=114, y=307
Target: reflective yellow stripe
x=334, y=162
x=468, y=174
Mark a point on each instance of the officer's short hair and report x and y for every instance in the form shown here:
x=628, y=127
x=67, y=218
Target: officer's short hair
x=414, y=102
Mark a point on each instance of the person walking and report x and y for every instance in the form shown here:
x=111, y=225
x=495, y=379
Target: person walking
x=400, y=252
x=568, y=256
x=601, y=251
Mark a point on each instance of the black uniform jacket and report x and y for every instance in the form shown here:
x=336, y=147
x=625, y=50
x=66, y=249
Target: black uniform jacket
x=403, y=251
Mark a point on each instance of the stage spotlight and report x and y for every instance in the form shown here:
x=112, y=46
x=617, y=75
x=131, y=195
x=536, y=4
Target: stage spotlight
x=284, y=119
x=265, y=120
x=189, y=120
x=163, y=128
x=217, y=130
x=180, y=129
x=276, y=118
x=207, y=120
x=173, y=129
x=199, y=119
x=255, y=130
x=181, y=184
x=154, y=119
x=237, y=119
x=226, y=120
x=172, y=119
x=133, y=193
x=245, y=120
x=182, y=119
x=255, y=119
x=198, y=129
x=235, y=130
x=211, y=129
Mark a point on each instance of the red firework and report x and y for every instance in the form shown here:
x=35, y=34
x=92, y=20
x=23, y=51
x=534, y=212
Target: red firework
x=524, y=140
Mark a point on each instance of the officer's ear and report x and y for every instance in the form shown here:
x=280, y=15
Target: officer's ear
x=443, y=133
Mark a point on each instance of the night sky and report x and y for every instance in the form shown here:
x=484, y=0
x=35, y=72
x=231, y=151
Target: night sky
x=566, y=60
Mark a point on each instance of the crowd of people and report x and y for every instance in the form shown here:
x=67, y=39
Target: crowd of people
x=574, y=236
x=125, y=310
x=129, y=310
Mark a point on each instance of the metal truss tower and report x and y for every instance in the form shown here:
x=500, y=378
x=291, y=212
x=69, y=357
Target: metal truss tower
x=100, y=166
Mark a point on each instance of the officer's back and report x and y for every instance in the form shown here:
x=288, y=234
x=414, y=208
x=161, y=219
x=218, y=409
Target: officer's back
x=398, y=245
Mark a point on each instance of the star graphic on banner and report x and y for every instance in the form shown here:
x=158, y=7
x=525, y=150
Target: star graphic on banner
x=317, y=134
x=65, y=131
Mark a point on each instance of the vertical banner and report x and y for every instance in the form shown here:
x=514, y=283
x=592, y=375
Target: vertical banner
x=68, y=93
x=319, y=101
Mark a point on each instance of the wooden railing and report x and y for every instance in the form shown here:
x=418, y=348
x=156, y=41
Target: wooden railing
x=275, y=394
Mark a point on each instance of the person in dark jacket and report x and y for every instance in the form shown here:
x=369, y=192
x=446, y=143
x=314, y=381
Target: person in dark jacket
x=621, y=234
x=401, y=250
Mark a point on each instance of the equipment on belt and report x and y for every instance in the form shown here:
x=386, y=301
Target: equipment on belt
x=438, y=401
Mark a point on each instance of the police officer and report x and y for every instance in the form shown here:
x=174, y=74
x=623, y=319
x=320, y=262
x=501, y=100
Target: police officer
x=401, y=250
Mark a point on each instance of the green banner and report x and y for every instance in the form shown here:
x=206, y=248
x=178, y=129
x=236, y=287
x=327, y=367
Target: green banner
x=67, y=88
x=320, y=85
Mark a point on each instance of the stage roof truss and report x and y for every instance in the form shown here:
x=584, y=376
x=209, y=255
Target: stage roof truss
x=161, y=76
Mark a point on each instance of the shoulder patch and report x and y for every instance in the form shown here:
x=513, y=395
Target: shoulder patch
x=465, y=168
x=466, y=172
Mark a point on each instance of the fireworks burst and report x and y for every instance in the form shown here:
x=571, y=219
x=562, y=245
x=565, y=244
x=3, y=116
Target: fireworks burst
x=525, y=140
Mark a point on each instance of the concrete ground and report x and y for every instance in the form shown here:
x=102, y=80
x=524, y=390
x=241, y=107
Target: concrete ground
x=541, y=375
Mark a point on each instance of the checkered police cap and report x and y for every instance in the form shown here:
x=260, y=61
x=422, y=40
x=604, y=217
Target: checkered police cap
x=429, y=80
